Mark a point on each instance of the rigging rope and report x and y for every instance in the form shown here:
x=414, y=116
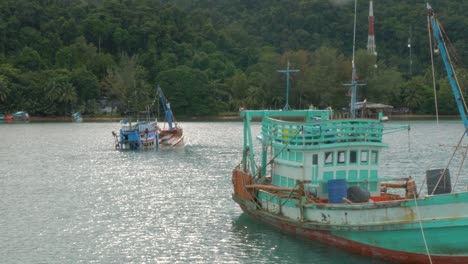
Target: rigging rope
x=462, y=161
x=433, y=71
x=448, y=164
x=279, y=152
x=453, y=70
x=460, y=167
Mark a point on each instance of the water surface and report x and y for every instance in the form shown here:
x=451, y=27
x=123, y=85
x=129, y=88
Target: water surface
x=66, y=196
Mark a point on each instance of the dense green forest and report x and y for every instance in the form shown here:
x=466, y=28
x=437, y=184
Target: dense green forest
x=216, y=56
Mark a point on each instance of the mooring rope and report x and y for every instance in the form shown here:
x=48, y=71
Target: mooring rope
x=422, y=230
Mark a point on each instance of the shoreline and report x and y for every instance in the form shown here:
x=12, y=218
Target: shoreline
x=214, y=118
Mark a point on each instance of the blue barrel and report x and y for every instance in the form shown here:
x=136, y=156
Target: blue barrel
x=337, y=191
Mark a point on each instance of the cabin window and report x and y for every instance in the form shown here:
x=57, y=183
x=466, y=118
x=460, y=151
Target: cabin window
x=284, y=155
x=284, y=181
x=328, y=158
x=353, y=157
x=374, y=157
x=292, y=155
x=314, y=159
x=299, y=156
x=276, y=180
x=291, y=183
x=341, y=157
x=364, y=157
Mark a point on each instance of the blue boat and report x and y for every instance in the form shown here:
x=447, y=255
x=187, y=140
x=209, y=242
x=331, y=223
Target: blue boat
x=142, y=134
x=319, y=177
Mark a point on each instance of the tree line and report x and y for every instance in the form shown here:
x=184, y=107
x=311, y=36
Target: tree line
x=216, y=56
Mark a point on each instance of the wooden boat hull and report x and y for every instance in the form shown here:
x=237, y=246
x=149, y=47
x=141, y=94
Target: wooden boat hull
x=400, y=241
x=171, y=138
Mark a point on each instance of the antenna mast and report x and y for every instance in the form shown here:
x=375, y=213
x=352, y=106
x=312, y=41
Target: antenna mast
x=371, y=49
x=287, y=71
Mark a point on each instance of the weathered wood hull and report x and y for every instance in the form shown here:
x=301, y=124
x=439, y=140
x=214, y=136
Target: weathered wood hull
x=171, y=138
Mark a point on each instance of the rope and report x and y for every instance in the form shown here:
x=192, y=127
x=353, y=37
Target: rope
x=285, y=146
x=448, y=164
x=460, y=167
x=259, y=171
x=454, y=73
x=450, y=46
x=433, y=71
x=422, y=230
x=462, y=161
x=290, y=194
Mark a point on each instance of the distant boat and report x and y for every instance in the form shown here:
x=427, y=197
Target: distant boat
x=76, y=116
x=20, y=116
x=319, y=178
x=8, y=117
x=142, y=134
x=147, y=134
x=174, y=135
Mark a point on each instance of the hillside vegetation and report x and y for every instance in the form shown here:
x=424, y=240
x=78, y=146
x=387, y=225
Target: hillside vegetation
x=214, y=56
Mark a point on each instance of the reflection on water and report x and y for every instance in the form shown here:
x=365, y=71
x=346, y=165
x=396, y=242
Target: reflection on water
x=273, y=246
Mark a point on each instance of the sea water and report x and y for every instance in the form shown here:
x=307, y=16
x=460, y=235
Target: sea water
x=66, y=196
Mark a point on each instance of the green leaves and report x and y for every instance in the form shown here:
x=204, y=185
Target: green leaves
x=222, y=55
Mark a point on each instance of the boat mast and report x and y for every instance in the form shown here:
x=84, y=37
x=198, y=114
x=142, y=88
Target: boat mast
x=287, y=71
x=448, y=67
x=353, y=73
x=166, y=107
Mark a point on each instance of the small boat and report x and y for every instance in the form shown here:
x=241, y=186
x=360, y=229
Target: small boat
x=138, y=135
x=319, y=178
x=76, y=117
x=8, y=118
x=173, y=136
x=21, y=116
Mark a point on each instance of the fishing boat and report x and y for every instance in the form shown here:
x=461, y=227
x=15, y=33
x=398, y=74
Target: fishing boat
x=319, y=178
x=21, y=116
x=173, y=135
x=139, y=135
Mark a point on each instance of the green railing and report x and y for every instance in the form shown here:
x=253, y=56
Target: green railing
x=322, y=132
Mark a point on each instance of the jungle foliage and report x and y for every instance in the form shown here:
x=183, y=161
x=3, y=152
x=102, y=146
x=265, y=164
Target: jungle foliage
x=213, y=56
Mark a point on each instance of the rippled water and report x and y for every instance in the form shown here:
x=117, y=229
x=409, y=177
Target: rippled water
x=67, y=197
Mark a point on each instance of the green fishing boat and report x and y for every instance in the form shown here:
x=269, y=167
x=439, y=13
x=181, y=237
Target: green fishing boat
x=319, y=177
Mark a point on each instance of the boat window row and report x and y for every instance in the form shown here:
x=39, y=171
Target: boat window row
x=351, y=157
x=291, y=155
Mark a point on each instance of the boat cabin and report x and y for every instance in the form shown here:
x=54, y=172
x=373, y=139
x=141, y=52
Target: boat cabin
x=322, y=150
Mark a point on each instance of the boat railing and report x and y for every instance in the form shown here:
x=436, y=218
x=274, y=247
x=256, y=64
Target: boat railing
x=322, y=132
x=129, y=127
